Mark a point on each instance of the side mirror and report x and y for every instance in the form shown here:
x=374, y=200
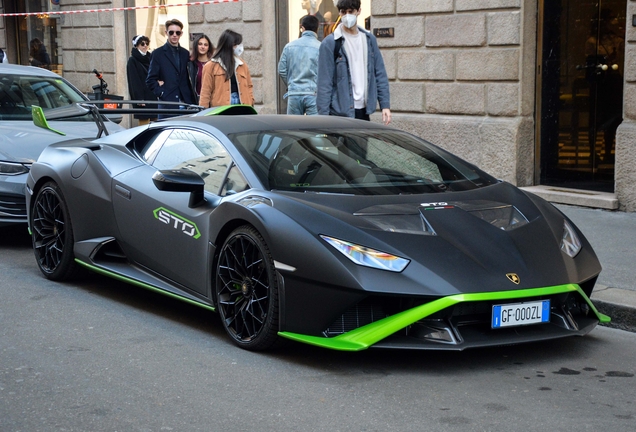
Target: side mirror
x=181, y=180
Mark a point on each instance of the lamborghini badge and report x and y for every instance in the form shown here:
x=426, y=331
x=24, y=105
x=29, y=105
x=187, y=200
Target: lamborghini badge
x=514, y=278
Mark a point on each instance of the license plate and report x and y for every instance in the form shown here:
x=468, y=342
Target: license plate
x=517, y=314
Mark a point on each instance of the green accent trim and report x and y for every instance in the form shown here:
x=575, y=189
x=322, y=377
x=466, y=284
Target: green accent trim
x=364, y=337
x=198, y=234
x=39, y=119
x=232, y=110
x=141, y=284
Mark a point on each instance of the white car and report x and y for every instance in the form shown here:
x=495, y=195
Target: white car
x=21, y=142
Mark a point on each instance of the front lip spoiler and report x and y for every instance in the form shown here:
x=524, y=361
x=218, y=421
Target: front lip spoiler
x=370, y=334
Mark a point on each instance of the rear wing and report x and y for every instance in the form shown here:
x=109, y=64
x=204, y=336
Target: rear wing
x=116, y=107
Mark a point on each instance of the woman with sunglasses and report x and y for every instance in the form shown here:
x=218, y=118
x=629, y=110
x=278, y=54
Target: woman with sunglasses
x=200, y=54
x=136, y=71
x=226, y=78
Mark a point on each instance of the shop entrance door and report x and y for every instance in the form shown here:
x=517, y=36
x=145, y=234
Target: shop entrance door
x=581, y=76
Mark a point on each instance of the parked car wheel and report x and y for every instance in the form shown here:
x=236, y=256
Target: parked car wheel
x=52, y=233
x=247, y=290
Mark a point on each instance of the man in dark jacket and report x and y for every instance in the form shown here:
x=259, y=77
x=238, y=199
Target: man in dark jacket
x=168, y=74
x=352, y=79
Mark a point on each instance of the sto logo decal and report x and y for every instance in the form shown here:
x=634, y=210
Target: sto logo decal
x=177, y=222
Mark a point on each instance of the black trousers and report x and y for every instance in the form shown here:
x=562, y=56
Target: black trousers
x=361, y=114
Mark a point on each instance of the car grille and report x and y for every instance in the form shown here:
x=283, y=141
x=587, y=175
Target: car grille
x=365, y=312
x=12, y=205
x=461, y=321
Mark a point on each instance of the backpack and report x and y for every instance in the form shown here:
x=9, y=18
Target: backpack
x=336, y=48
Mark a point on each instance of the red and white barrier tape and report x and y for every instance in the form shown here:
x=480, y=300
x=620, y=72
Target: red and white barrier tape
x=115, y=9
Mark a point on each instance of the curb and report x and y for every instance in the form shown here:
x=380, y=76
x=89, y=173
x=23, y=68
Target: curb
x=623, y=316
x=617, y=303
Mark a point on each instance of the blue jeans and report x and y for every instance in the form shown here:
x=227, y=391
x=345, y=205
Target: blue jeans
x=235, y=99
x=302, y=104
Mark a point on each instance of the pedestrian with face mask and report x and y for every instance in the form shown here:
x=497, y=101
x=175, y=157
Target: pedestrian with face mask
x=352, y=78
x=168, y=73
x=226, y=78
x=136, y=72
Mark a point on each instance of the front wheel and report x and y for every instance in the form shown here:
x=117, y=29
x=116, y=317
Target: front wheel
x=52, y=233
x=247, y=290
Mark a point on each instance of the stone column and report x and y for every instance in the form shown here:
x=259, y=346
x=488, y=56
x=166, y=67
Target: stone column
x=625, y=167
x=462, y=77
x=254, y=20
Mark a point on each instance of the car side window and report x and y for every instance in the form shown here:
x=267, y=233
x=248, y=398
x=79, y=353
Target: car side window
x=234, y=182
x=196, y=151
x=150, y=149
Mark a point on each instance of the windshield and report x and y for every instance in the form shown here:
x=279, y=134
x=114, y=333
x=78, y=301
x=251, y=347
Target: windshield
x=19, y=93
x=362, y=162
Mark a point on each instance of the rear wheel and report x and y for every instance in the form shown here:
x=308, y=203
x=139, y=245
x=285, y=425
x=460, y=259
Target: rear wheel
x=247, y=290
x=52, y=233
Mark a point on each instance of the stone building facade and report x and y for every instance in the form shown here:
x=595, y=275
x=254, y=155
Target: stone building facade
x=463, y=73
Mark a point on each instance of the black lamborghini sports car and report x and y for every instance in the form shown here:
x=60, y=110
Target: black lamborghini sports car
x=329, y=231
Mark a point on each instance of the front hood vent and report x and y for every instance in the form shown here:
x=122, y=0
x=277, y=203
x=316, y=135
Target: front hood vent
x=412, y=218
x=503, y=216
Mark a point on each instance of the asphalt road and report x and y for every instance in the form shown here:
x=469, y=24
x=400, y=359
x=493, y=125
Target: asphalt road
x=100, y=355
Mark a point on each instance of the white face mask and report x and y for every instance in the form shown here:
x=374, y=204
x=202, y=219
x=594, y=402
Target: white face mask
x=238, y=50
x=349, y=20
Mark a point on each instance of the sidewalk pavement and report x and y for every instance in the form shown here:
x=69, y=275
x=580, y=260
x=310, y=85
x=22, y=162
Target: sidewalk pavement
x=613, y=237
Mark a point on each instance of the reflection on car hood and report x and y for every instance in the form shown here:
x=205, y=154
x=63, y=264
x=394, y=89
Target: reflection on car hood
x=22, y=141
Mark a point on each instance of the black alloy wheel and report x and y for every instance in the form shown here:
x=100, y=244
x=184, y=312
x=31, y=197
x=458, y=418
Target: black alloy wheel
x=52, y=233
x=247, y=290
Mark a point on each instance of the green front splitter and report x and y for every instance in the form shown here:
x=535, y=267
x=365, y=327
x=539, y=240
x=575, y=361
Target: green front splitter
x=370, y=334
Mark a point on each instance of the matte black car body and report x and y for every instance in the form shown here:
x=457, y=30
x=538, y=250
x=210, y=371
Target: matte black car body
x=21, y=142
x=156, y=228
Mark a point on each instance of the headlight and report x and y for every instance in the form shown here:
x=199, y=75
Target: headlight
x=367, y=257
x=407, y=224
x=570, y=244
x=13, y=168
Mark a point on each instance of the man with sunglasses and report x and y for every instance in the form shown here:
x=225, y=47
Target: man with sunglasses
x=168, y=73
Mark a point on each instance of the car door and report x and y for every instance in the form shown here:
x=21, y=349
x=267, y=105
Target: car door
x=158, y=229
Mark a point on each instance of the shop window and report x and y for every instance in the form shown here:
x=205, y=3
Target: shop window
x=38, y=39
x=151, y=22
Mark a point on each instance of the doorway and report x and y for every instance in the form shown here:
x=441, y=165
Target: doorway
x=582, y=45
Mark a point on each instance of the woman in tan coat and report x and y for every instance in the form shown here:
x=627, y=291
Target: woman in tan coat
x=226, y=78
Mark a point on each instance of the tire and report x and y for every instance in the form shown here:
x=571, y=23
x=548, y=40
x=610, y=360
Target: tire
x=52, y=234
x=247, y=290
